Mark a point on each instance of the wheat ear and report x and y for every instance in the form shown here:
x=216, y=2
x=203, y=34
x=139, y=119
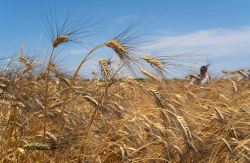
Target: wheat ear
x=104, y=67
x=234, y=85
x=59, y=40
x=242, y=73
x=24, y=60
x=148, y=74
x=28, y=68
x=194, y=76
x=154, y=62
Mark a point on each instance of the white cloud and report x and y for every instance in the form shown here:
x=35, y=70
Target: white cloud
x=222, y=42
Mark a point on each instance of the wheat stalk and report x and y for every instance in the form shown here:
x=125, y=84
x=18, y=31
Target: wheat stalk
x=59, y=40
x=242, y=73
x=194, y=76
x=180, y=153
x=148, y=74
x=193, y=95
x=51, y=136
x=4, y=79
x=7, y=96
x=54, y=69
x=91, y=100
x=21, y=50
x=104, y=67
x=27, y=69
x=2, y=85
x=63, y=78
x=24, y=60
x=17, y=104
x=154, y=62
x=220, y=116
x=221, y=95
x=234, y=85
x=229, y=149
x=116, y=46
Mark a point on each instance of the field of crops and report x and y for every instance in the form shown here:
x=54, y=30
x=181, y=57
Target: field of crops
x=119, y=119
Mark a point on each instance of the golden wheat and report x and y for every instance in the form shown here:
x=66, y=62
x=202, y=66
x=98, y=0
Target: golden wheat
x=104, y=67
x=59, y=40
x=27, y=69
x=148, y=74
x=194, y=76
x=154, y=62
x=242, y=73
x=24, y=60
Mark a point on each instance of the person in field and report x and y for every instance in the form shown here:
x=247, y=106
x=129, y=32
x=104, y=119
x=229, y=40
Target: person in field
x=204, y=77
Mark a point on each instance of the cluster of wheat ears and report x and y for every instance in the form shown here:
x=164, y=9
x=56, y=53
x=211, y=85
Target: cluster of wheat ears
x=49, y=117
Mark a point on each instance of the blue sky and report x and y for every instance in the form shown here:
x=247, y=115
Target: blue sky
x=221, y=27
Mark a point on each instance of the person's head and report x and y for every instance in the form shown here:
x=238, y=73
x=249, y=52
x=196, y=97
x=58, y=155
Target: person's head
x=203, y=70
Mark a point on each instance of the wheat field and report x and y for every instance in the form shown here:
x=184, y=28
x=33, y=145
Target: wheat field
x=121, y=120
x=50, y=116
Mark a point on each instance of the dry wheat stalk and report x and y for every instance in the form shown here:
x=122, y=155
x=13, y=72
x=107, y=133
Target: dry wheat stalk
x=234, y=85
x=185, y=130
x=27, y=69
x=133, y=82
x=2, y=85
x=194, y=76
x=154, y=62
x=59, y=40
x=63, y=78
x=220, y=116
x=118, y=96
x=175, y=101
x=116, y=46
x=171, y=106
x=91, y=100
x=193, y=95
x=234, y=72
x=3, y=102
x=39, y=103
x=242, y=73
x=24, y=60
x=7, y=96
x=51, y=136
x=104, y=67
x=179, y=97
x=100, y=84
x=225, y=72
x=229, y=149
x=154, y=91
x=54, y=69
x=123, y=152
x=180, y=153
x=118, y=106
x=148, y=74
x=4, y=79
x=221, y=95
x=21, y=50
x=205, y=88
x=17, y=104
